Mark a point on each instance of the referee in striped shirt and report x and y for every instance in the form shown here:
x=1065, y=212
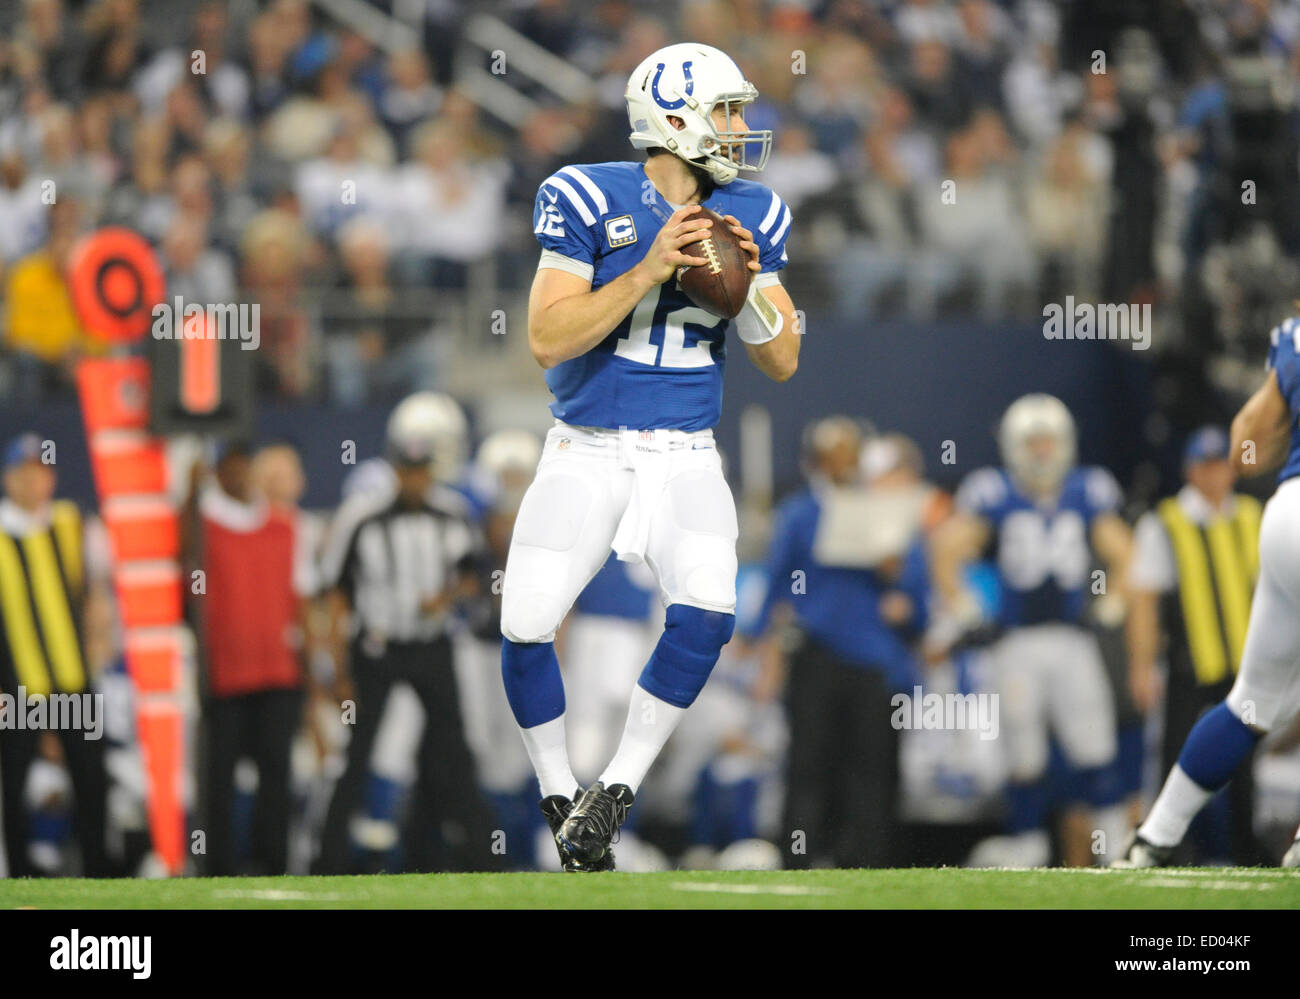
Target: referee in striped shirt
x=400, y=560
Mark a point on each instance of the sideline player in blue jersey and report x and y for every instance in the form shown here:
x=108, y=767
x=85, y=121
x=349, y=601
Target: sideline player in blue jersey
x=1042, y=518
x=1266, y=694
x=636, y=371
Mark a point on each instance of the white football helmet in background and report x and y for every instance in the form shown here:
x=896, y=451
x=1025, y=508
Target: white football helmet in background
x=688, y=81
x=1038, y=442
x=506, y=463
x=435, y=421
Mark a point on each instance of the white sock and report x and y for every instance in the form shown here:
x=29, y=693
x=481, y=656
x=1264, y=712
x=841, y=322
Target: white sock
x=650, y=721
x=550, y=755
x=1179, y=801
x=1113, y=823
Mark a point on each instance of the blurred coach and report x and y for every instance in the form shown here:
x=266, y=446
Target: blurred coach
x=852, y=624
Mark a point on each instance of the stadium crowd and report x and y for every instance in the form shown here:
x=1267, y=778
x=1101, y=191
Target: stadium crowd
x=1116, y=152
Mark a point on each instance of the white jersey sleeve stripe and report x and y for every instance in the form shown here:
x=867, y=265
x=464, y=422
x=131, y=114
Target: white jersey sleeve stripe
x=785, y=224
x=566, y=188
x=559, y=262
x=772, y=211
x=595, y=193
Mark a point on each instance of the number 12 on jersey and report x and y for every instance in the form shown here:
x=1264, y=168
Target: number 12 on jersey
x=638, y=347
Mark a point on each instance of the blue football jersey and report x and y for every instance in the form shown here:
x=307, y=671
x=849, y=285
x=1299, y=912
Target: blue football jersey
x=1284, y=358
x=1042, y=553
x=662, y=365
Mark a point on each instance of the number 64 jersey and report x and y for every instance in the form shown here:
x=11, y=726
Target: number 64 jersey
x=661, y=367
x=1043, y=552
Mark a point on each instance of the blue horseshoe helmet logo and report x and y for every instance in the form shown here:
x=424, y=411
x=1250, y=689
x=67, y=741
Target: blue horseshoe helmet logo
x=654, y=87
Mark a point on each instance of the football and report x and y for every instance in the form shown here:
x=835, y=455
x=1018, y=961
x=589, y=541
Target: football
x=719, y=286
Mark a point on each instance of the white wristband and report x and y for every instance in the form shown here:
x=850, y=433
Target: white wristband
x=759, y=321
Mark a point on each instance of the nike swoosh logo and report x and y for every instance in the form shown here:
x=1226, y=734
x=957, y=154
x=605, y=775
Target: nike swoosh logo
x=554, y=197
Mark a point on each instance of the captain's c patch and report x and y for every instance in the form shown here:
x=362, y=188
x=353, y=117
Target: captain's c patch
x=620, y=231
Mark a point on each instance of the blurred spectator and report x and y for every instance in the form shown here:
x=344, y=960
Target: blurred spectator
x=983, y=211
x=410, y=95
x=41, y=325
x=1067, y=214
x=268, y=54
x=46, y=39
x=222, y=83
x=836, y=98
x=449, y=202
x=117, y=47
x=982, y=44
x=193, y=271
x=141, y=197
x=21, y=205
x=274, y=254
x=341, y=184
x=797, y=169
x=934, y=87
x=226, y=151
x=375, y=348
x=1038, y=93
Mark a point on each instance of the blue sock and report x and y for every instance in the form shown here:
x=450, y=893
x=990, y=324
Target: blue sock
x=534, y=687
x=1102, y=786
x=1026, y=806
x=1216, y=746
x=686, y=653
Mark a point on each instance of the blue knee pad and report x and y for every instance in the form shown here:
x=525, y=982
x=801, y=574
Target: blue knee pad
x=534, y=687
x=687, y=650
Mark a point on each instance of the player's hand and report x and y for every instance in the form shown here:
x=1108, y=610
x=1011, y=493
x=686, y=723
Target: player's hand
x=665, y=256
x=746, y=241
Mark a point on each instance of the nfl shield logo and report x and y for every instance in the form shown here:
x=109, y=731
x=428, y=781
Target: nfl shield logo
x=647, y=435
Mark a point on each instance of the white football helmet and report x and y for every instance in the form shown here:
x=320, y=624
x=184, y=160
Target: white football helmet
x=688, y=81
x=1037, y=440
x=506, y=462
x=433, y=421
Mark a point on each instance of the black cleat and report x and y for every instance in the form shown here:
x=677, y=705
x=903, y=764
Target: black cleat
x=593, y=824
x=1142, y=853
x=555, y=809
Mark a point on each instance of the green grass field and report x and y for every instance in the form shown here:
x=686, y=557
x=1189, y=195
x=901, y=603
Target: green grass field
x=1202, y=888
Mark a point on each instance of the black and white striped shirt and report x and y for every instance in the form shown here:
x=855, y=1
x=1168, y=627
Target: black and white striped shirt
x=390, y=560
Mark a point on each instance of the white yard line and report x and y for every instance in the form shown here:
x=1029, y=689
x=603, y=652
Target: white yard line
x=1211, y=885
x=1149, y=872
x=275, y=895
x=729, y=889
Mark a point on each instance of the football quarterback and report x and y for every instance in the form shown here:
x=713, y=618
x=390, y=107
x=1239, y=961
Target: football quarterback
x=635, y=367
